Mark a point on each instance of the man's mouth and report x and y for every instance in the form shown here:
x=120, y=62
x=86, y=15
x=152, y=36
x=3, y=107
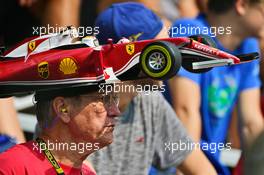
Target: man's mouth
x=110, y=125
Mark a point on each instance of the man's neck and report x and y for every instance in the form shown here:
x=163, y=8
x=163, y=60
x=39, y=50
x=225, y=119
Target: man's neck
x=229, y=41
x=65, y=154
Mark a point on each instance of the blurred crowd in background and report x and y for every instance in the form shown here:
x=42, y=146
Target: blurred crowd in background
x=243, y=122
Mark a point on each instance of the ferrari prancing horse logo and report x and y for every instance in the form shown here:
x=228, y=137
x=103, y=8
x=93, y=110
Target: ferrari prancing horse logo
x=130, y=49
x=31, y=45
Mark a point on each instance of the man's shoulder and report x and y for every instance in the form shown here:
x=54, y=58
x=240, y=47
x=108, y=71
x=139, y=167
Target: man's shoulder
x=16, y=150
x=88, y=168
x=16, y=157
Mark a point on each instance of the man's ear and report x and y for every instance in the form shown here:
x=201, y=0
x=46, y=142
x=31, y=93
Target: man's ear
x=60, y=107
x=241, y=6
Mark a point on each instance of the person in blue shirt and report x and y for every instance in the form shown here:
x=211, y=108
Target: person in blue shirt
x=205, y=102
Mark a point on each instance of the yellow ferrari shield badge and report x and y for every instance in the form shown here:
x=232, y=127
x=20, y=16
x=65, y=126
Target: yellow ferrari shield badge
x=32, y=45
x=130, y=49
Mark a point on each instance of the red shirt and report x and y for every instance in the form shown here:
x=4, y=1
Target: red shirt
x=25, y=159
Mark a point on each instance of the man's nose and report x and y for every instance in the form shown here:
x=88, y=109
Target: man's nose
x=113, y=110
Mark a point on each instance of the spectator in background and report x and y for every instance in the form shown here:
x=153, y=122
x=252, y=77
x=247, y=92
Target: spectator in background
x=202, y=5
x=59, y=13
x=204, y=102
x=147, y=122
x=173, y=9
x=8, y=115
x=167, y=10
x=29, y=14
x=10, y=131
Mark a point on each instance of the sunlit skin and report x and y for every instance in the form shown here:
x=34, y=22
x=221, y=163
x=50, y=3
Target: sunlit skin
x=92, y=121
x=246, y=20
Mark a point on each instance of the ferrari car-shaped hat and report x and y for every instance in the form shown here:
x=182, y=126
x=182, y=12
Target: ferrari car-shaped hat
x=59, y=60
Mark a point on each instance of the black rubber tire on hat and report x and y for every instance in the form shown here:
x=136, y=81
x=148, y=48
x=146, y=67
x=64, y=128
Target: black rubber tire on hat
x=168, y=53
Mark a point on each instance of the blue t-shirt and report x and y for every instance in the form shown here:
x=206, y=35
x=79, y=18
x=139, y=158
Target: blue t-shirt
x=220, y=87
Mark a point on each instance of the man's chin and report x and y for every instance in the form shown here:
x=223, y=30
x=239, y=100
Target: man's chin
x=106, y=140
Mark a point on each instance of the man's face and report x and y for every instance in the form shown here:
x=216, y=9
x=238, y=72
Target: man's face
x=93, y=118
